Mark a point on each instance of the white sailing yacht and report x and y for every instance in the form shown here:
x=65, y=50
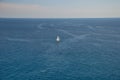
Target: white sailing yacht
x=58, y=39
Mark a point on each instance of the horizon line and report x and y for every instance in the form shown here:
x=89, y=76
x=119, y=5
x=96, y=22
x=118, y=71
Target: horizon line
x=53, y=17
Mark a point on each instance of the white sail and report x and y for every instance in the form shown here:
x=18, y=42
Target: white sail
x=58, y=39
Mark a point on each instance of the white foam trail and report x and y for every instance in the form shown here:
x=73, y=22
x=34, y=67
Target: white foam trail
x=105, y=29
x=43, y=71
x=98, y=26
x=111, y=35
x=65, y=44
x=90, y=27
x=108, y=41
x=40, y=26
x=18, y=39
x=66, y=32
x=73, y=35
x=82, y=36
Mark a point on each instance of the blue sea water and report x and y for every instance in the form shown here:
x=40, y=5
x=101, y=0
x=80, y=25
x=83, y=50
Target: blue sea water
x=89, y=49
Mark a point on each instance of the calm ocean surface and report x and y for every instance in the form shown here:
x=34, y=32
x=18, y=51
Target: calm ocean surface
x=89, y=49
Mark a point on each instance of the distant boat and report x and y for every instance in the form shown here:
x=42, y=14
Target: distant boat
x=58, y=39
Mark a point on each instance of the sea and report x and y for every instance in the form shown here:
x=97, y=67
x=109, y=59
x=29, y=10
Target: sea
x=89, y=49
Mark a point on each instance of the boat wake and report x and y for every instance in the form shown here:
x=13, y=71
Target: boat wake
x=18, y=39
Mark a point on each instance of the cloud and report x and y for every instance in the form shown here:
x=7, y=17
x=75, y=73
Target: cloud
x=38, y=11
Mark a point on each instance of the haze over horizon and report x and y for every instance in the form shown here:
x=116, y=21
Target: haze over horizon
x=59, y=8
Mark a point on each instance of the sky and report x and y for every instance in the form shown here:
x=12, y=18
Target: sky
x=59, y=8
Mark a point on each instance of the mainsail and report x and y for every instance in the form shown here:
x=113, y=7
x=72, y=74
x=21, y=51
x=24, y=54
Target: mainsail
x=58, y=39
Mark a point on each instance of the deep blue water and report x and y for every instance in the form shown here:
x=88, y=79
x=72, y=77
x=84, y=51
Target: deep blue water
x=89, y=49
